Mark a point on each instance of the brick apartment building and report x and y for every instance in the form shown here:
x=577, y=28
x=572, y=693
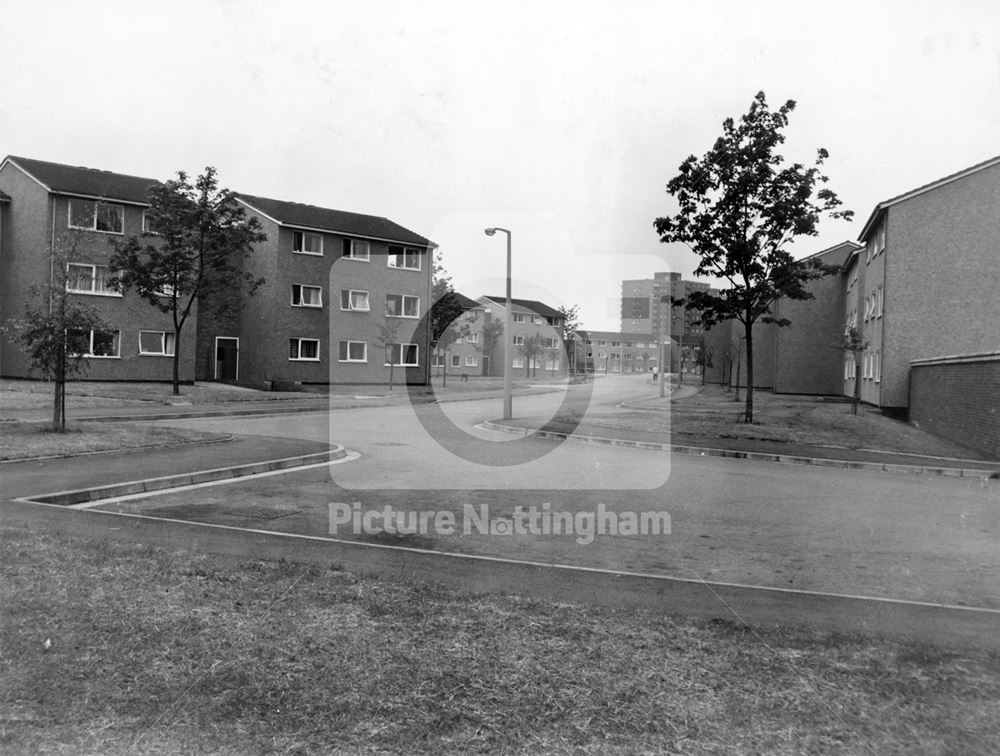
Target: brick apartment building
x=469, y=354
x=616, y=352
x=332, y=278
x=530, y=320
x=60, y=215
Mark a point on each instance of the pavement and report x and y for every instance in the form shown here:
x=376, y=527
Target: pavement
x=931, y=622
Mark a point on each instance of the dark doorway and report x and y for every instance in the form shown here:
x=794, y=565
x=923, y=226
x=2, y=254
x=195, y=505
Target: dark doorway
x=227, y=359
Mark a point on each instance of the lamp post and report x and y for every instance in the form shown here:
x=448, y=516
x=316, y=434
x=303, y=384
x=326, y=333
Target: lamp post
x=508, y=412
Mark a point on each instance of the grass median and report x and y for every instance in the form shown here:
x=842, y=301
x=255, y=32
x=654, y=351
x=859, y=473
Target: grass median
x=34, y=440
x=113, y=648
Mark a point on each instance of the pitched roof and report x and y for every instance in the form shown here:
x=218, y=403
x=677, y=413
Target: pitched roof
x=616, y=335
x=464, y=301
x=334, y=221
x=538, y=308
x=85, y=182
x=885, y=204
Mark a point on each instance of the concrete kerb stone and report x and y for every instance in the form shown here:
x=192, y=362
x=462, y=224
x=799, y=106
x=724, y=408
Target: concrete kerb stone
x=704, y=451
x=67, y=498
x=142, y=448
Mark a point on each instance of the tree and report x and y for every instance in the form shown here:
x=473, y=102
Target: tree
x=739, y=206
x=531, y=348
x=388, y=338
x=492, y=333
x=454, y=331
x=192, y=251
x=855, y=344
x=52, y=332
x=703, y=359
x=687, y=355
x=446, y=308
x=570, y=327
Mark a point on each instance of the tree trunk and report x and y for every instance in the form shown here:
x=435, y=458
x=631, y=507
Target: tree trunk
x=857, y=386
x=177, y=360
x=748, y=416
x=739, y=367
x=444, y=371
x=59, y=393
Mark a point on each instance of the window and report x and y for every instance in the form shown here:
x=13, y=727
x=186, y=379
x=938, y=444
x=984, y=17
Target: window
x=878, y=302
x=518, y=340
x=146, y=226
x=357, y=249
x=437, y=360
x=517, y=362
x=551, y=343
x=471, y=361
x=303, y=350
x=472, y=338
x=456, y=360
x=878, y=367
x=407, y=258
x=96, y=216
x=616, y=343
x=96, y=343
x=158, y=343
x=306, y=296
x=402, y=306
x=520, y=317
x=403, y=354
x=552, y=365
x=306, y=243
x=602, y=342
x=82, y=278
x=353, y=351
x=167, y=290
x=553, y=321
x=351, y=299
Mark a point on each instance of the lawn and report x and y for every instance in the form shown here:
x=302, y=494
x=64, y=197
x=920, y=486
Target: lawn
x=822, y=421
x=28, y=440
x=113, y=648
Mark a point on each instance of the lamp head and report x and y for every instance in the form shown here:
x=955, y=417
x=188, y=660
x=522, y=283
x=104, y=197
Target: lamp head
x=490, y=231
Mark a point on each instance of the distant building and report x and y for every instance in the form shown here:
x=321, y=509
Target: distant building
x=536, y=335
x=469, y=354
x=616, y=352
x=647, y=307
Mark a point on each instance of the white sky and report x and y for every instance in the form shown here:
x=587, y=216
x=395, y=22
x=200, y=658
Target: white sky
x=562, y=121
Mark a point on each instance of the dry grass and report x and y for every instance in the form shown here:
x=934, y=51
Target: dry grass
x=801, y=420
x=155, y=652
x=28, y=440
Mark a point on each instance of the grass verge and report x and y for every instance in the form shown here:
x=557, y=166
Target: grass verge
x=113, y=648
x=27, y=440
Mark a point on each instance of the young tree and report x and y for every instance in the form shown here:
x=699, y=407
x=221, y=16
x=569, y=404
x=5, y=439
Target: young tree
x=492, y=333
x=687, y=356
x=193, y=250
x=739, y=206
x=703, y=359
x=571, y=324
x=456, y=329
x=531, y=349
x=56, y=333
x=388, y=338
x=855, y=344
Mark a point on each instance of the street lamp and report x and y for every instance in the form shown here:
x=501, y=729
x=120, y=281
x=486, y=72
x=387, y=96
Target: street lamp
x=508, y=337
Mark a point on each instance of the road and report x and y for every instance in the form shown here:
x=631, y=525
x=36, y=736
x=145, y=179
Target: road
x=916, y=537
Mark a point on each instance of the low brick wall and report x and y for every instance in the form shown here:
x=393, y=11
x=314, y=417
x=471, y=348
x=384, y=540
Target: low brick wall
x=958, y=398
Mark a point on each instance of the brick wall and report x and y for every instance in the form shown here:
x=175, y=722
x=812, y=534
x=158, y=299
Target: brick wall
x=958, y=398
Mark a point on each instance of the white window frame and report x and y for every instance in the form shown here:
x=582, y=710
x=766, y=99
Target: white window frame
x=402, y=305
x=471, y=361
x=145, y=225
x=168, y=343
x=117, y=341
x=402, y=347
x=353, y=253
x=472, y=338
x=398, y=259
x=298, y=350
x=520, y=317
x=93, y=226
x=518, y=339
x=302, y=303
x=517, y=362
x=303, y=234
x=92, y=291
x=350, y=300
x=456, y=360
x=878, y=367
x=344, y=348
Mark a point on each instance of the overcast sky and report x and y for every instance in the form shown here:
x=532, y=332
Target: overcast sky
x=562, y=121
